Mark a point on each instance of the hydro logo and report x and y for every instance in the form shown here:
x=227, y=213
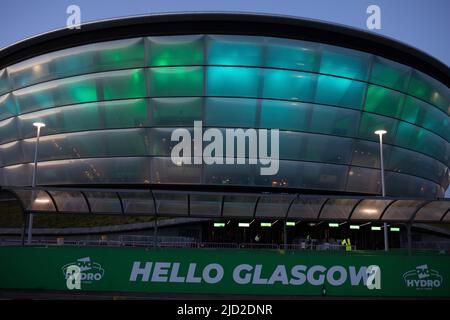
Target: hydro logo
x=89, y=271
x=422, y=278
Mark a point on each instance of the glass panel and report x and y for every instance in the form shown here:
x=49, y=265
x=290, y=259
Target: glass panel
x=104, y=202
x=384, y=101
x=426, y=115
x=89, y=116
x=230, y=174
x=432, y=211
x=168, y=203
x=103, y=56
x=36, y=200
x=289, y=175
x=412, y=137
x=424, y=87
x=285, y=115
x=4, y=82
x=446, y=218
x=340, y=92
x=235, y=50
x=230, y=112
x=338, y=208
x=176, y=50
x=336, y=121
x=205, y=205
x=322, y=176
x=367, y=154
x=402, y=160
x=370, y=209
x=70, y=201
x=122, y=84
x=306, y=208
x=401, y=210
x=371, y=122
x=232, y=81
x=363, y=180
x=289, y=85
x=389, y=73
x=11, y=153
x=17, y=175
x=96, y=171
x=7, y=106
x=402, y=185
x=89, y=144
x=274, y=206
x=161, y=142
x=163, y=170
x=8, y=130
x=292, y=54
x=322, y=148
x=239, y=205
x=137, y=202
x=344, y=62
x=176, y=111
x=116, y=85
x=176, y=81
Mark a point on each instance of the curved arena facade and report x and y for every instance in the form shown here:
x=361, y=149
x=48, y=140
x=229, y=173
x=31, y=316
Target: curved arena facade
x=111, y=94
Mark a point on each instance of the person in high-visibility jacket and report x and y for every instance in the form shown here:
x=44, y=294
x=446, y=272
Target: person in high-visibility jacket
x=348, y=246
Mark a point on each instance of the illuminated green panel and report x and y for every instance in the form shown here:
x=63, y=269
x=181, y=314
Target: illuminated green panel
x=339, y=92
x=176, y=111
x=68, y=62
x=176, y=81
x=292, y=54
x=289, y=85
x=120, y=54
x=344, y=62
x=389, y=74
x=78, y=118
x=430, y=90
x=4, y=84
x=371, y=122
x=176, y=50
x=232, y=81
x=424, y=114
x=336, y=121
x=76, y=90
x=7, y=106
x=235, y=50
x=285, y=114
x=230, y=112
x=384, y=101
x=123, y=84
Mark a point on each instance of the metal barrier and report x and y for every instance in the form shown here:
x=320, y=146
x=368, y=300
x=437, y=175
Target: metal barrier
x=175, y=244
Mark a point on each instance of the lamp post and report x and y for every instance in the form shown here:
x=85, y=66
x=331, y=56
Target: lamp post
x=38, y=126
x=380, y=134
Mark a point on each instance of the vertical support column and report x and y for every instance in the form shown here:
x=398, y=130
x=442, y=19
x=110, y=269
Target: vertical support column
x=155, y=232
x=285, y=234
x=408, y=234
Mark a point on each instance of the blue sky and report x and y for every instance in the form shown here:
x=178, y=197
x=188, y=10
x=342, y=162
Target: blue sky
x=424, y=24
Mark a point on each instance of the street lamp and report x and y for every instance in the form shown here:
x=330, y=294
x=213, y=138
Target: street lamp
x=380, y=134
x=38, y=126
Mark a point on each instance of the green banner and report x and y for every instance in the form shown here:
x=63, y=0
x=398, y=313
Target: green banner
x=209, y=271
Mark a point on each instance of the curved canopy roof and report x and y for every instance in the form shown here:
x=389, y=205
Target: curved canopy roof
x=198, y=204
